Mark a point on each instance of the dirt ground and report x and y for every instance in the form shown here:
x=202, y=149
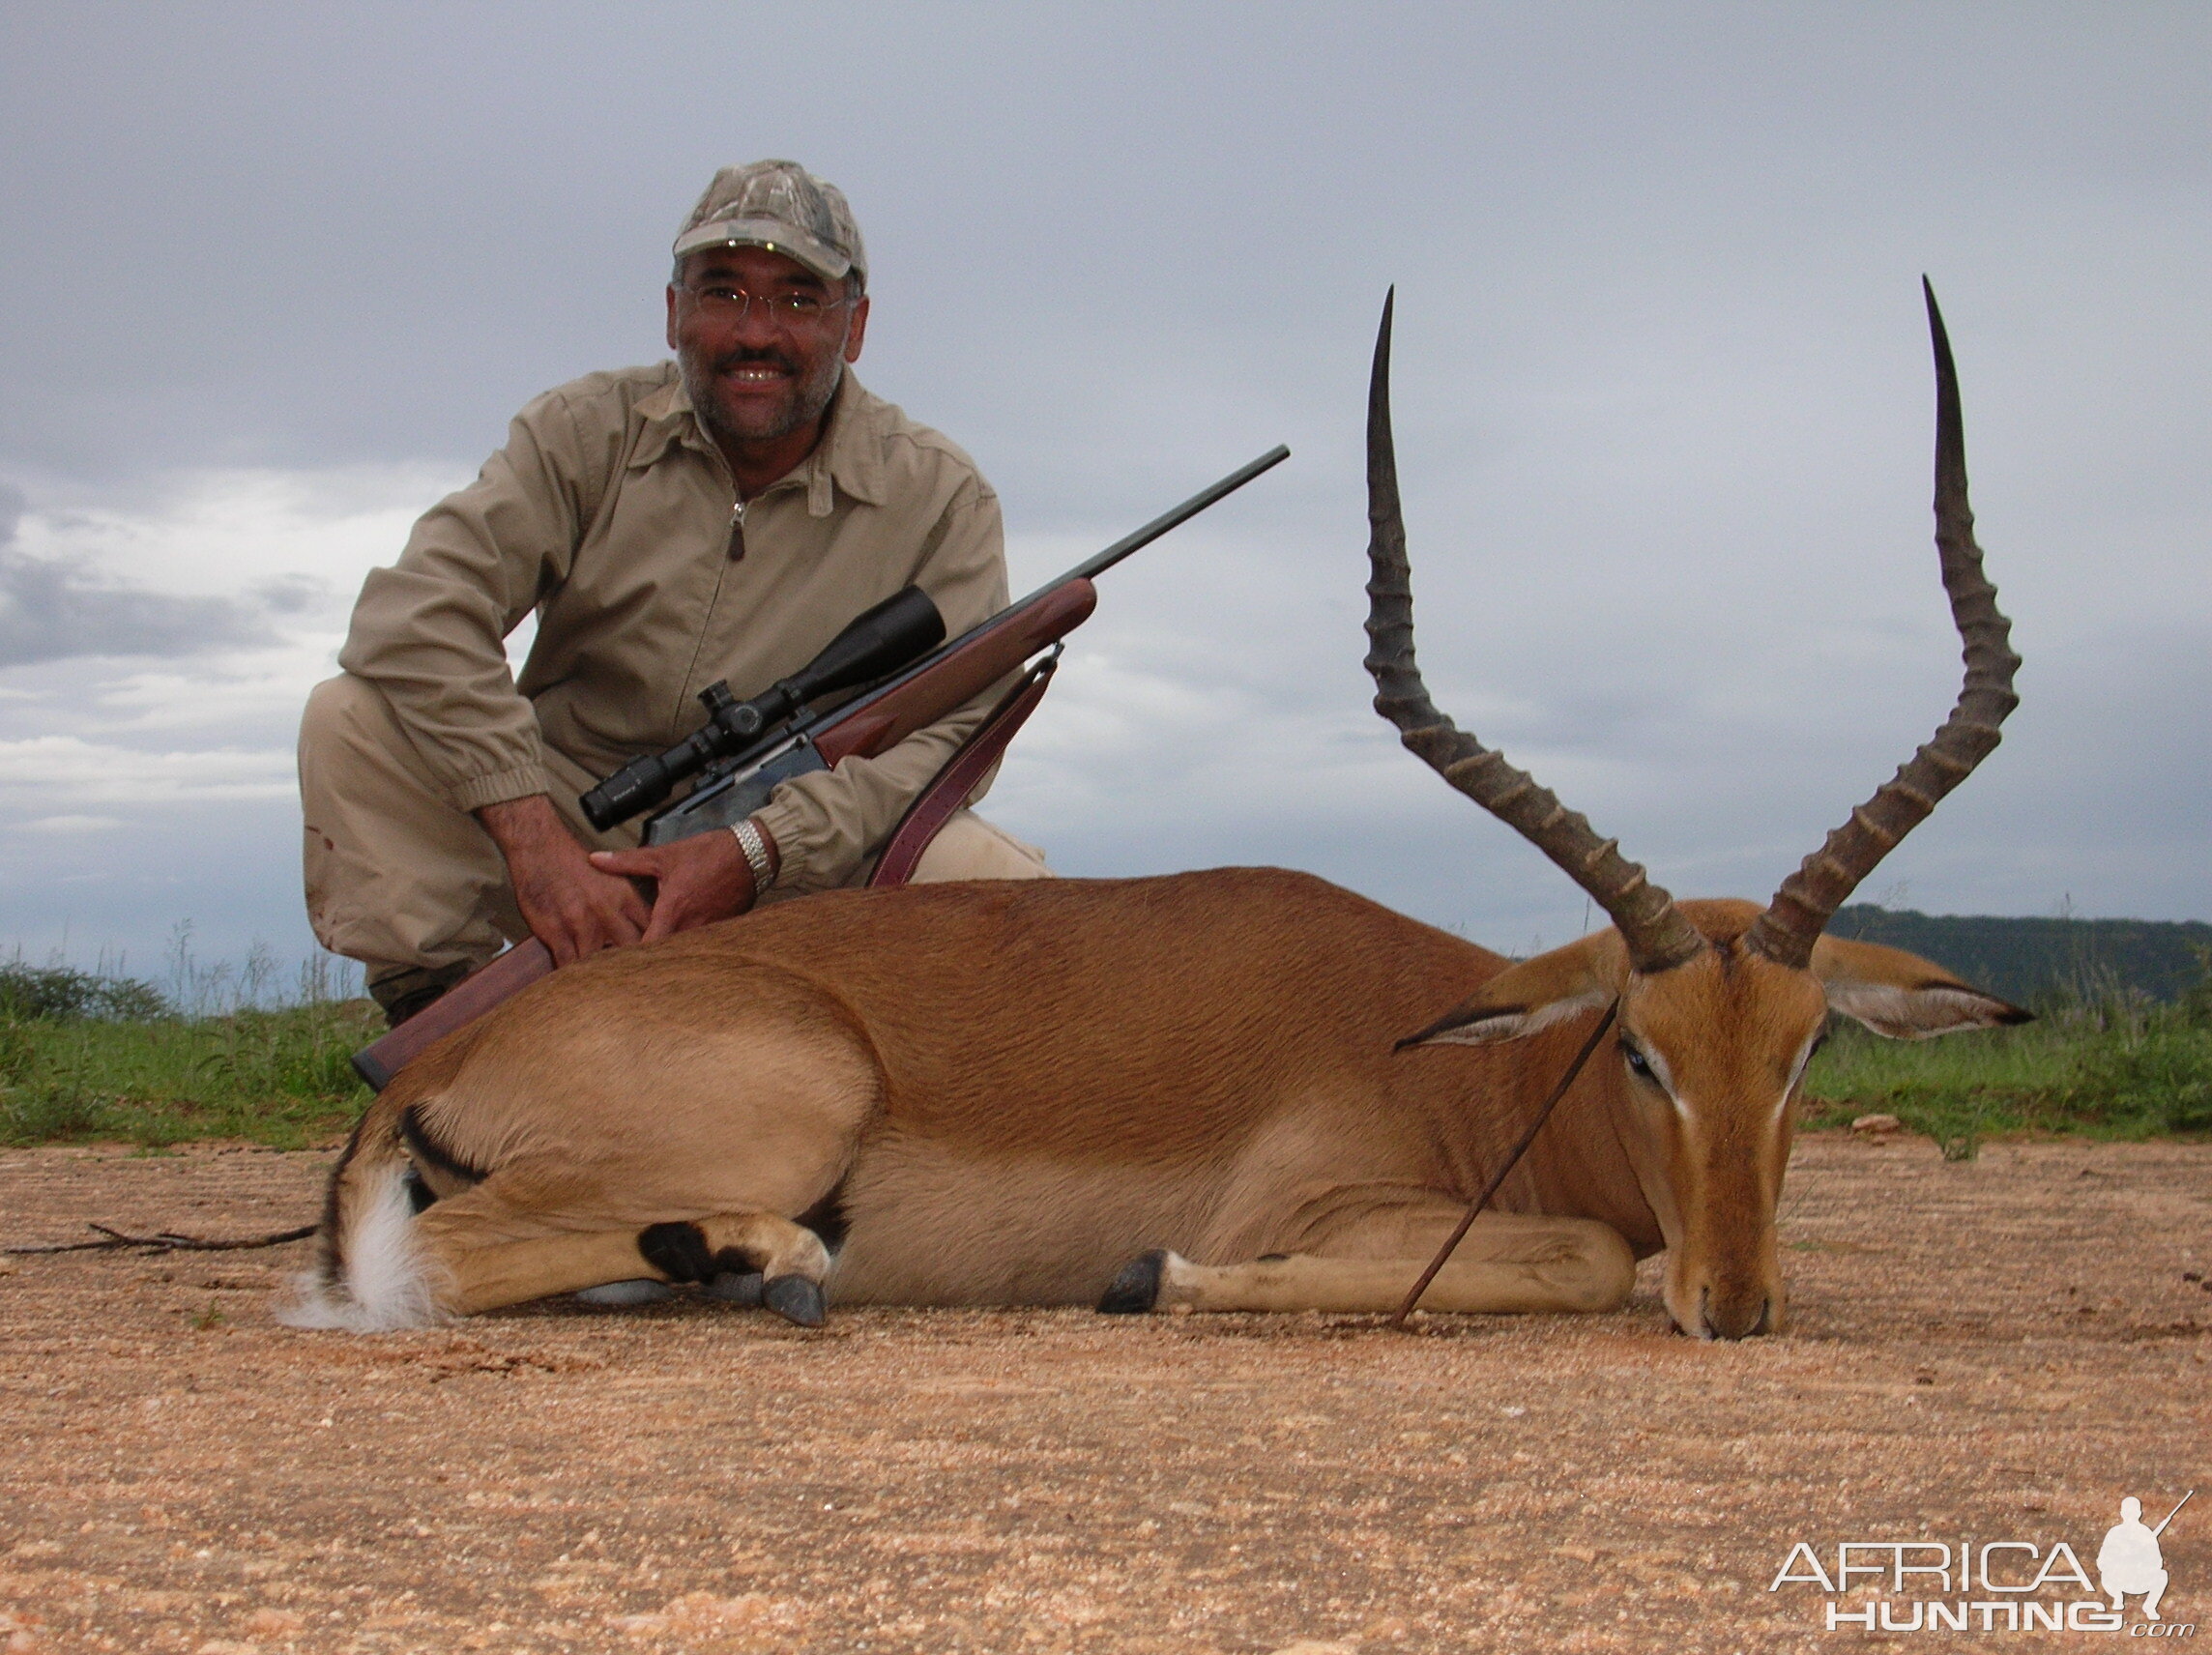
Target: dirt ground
x=1993, y=1350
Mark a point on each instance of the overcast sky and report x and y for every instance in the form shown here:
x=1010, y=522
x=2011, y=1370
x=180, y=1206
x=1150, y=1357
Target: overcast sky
x=276, y=276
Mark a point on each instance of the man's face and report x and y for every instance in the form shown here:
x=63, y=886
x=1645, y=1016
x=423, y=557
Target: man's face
x=767, y=373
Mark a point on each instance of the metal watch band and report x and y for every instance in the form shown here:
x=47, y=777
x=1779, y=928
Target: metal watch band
x=753, y=845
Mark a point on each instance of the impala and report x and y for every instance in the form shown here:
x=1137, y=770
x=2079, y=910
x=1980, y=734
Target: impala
x=1231, y=1090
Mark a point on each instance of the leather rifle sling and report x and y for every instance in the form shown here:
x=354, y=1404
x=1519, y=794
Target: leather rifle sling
x=949, y=789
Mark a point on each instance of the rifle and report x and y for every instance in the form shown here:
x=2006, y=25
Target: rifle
x=2174, y=1513
x=746, y=748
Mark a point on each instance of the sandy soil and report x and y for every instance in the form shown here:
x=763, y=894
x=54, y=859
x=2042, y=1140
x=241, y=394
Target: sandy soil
x=1995, y=1351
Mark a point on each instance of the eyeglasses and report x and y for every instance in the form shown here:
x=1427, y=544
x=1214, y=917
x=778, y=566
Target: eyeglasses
x=728, y=306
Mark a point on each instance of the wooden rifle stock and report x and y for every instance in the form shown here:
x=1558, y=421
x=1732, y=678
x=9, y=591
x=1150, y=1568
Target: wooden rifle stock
x=879, y=723
x=464, y=1002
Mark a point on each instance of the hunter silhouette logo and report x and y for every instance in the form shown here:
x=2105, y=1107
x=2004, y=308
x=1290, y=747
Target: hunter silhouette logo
x=2129, y=1560
x=1992, y=1586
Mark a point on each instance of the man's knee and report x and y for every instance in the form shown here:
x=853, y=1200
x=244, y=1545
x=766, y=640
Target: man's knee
x=969, y=848
x=348, y=713
x=334, y=708
x=397, y=876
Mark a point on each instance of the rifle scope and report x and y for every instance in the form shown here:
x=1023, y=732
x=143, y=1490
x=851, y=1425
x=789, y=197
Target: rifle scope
x=878, y=642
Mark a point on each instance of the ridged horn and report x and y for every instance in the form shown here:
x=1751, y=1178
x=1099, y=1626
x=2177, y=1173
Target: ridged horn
x=1810, y=897
x=1658, y=937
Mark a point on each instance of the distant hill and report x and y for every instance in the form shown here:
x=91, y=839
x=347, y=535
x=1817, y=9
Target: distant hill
x=2031, y=960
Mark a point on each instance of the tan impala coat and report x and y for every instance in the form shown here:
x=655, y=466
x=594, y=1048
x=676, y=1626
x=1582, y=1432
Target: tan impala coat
x=1206, y=1055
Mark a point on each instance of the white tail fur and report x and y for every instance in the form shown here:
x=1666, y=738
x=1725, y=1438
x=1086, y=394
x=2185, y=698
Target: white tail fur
x=386, y=1285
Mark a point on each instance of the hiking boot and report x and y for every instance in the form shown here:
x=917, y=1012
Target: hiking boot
x=405, y=993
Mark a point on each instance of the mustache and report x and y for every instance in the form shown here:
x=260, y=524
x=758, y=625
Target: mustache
x=737, y=359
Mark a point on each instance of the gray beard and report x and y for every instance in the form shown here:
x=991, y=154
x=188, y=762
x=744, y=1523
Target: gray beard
x=808, y=398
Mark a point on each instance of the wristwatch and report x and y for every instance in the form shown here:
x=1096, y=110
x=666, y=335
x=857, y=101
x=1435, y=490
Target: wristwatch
x=752, y=843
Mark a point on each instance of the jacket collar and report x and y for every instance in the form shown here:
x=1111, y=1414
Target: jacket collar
x=849, y=457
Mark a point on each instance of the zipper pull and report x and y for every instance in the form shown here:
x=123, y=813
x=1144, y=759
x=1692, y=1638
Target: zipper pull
x=737, y=530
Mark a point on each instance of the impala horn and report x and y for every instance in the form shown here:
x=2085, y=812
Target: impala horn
x=1658, y=937
x=1810, y=897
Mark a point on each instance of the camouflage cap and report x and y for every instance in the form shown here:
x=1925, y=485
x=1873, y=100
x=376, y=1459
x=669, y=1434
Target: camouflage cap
x=781, y=206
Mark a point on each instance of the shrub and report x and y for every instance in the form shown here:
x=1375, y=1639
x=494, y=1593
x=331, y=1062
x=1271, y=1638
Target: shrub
x=52, y=993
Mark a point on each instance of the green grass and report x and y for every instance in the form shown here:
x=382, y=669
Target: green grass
x=2113, y=1067
x=277, y=1077
x=89, y=1057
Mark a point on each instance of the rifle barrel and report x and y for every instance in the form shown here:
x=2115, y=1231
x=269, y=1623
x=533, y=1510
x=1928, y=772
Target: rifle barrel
x=1061, y=583
x=2175, y=1511
x=1166, y=520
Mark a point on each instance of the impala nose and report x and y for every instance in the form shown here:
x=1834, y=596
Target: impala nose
x=1738, y=1316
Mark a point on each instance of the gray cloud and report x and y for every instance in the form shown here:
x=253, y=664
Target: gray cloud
x=293, y=594
x=54, y=609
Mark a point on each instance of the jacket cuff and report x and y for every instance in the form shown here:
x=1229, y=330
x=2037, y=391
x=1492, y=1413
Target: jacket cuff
x=501, y=786
x=800, y=837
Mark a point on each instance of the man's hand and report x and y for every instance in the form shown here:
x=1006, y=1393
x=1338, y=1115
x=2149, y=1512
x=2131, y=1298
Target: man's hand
x=571, y=907
x=698, y=879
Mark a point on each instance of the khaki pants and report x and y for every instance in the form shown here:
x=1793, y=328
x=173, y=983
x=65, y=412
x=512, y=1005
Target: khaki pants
x=401, y=881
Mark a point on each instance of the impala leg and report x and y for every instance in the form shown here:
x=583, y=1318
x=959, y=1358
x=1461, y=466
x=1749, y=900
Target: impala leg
x=1507, y=1264
x=478, y=1254
x=477, y=1279
x=739, y=1253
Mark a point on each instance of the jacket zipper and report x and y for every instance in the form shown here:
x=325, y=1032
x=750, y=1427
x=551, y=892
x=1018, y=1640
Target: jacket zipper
x=737, y=550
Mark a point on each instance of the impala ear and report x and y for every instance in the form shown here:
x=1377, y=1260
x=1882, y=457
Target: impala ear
x=1481, y=1024
x=1903, y=996
x=1536, y=994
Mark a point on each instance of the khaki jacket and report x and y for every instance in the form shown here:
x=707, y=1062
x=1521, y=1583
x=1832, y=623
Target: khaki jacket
x=612, y=515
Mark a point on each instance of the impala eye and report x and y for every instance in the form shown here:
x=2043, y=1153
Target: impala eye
x=1638, y=1064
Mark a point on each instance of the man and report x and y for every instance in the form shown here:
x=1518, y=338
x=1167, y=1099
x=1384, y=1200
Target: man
x=2129, y=1560
x=720, y=516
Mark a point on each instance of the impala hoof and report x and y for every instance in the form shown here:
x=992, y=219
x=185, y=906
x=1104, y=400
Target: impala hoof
x=795, y=1298
x=1136, y=1290
x=742, y=1288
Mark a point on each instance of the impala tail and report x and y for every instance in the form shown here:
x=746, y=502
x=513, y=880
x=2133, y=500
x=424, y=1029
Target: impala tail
x=369, y=1276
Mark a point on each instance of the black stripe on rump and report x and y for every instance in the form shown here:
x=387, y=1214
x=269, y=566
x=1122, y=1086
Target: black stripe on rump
x=431, y=1155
